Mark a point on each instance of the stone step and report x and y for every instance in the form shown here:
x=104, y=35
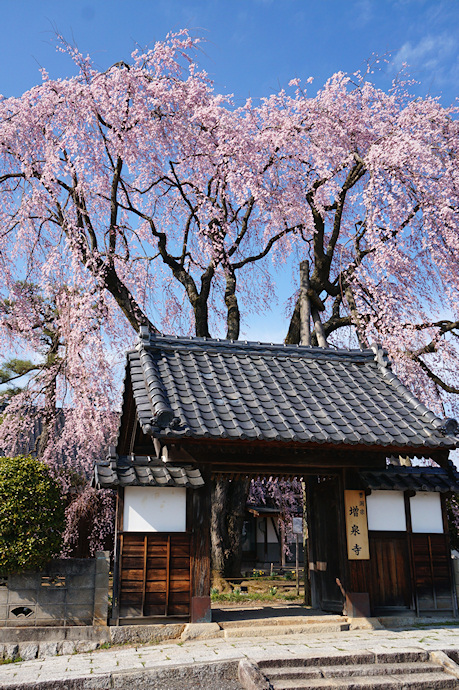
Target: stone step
x=284, y=620
x=349, y=658
x=411, y=681
x=271, y=631
x=350, y=671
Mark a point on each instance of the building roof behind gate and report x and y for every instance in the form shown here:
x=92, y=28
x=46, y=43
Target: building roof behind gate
x=412, y=479
x=223, y=390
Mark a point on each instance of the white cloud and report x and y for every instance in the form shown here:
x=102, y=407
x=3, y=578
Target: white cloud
x=363, y=12
x=433, y=57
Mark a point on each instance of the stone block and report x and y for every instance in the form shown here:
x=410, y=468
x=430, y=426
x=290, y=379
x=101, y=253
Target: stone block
x=86, y=646
x=401, y=656
x=101, y=580
x=201, y=631
x=72, y=566
x=48, y=595
x=143, y=634
x=23, y=597
x=100, y=615
x=48, y=649
x=3, y=595
x=3, y=612
x=102, y=561
x=83, y=597
x=215, y=676
x=80, y=581
x=86, y=632
x=101, y=596
x=79, y=615
x=48, y=612
x=251, y=676
x=11, y=651
x=28, y=650
x=67, y=647
x=24, y=581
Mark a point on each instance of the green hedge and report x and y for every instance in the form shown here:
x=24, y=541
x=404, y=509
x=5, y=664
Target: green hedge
x=32, y=515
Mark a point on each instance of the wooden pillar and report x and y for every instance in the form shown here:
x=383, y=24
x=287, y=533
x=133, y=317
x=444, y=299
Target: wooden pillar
x=448, y=551
x=200, y=552
x=117, y=557
x=306, y=545
x=311, y=501
x=409, y=538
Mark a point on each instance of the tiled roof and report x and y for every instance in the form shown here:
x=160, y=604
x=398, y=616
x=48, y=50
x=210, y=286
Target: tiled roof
x=217, y=389
x=412, y=478
x=142, y=471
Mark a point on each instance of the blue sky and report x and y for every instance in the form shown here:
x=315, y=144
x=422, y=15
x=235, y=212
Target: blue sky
x=251, y=48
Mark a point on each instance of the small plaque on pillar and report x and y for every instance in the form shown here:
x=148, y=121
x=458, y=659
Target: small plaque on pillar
x=356, y=526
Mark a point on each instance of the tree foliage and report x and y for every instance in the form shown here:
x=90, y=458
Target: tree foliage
x=149, y=195
x=31, y=514
x=139, y=195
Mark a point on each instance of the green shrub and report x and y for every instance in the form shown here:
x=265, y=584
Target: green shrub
x=31, y=515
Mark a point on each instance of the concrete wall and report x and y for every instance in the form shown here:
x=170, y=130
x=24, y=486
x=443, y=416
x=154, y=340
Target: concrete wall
x=70, y=591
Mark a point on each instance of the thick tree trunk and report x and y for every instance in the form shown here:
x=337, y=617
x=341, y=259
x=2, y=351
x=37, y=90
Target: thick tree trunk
x=228, y=510
x=201, y=318
x=125, y=300
x=50, y=392
x=233, y=318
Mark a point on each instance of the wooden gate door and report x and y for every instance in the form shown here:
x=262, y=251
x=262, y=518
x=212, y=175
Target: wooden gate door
x=326, y=543
x=432, y=572
x=154, y=575
x=390, y=580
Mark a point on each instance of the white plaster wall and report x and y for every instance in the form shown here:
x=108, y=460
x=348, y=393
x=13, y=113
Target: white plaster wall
x=153, y=509
x=386, y=511
x=272, y=538
x=426, y=512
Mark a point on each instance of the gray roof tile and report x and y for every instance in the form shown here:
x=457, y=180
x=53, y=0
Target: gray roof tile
x=143, y=471
x=395, y=478
x=193, y=387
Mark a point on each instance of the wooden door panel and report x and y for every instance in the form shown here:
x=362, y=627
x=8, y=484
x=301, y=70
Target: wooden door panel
x=390, y=584
x=155, y=575
x=326, y=524
x=432, y=572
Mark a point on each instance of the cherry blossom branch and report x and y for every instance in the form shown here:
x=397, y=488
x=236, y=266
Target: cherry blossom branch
x=434, y=377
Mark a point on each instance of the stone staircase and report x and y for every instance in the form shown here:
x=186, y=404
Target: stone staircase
x=413, y=670
x=288, y=625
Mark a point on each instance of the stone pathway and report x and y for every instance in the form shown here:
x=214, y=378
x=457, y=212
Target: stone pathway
x=60, y=671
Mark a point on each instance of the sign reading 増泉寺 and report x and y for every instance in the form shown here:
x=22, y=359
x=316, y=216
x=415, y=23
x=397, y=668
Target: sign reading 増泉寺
x=356, y=525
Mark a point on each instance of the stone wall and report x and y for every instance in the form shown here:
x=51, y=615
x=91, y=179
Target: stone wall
x=70, y=591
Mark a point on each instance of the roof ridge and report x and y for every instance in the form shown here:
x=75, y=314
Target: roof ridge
x=162, y=411
x=195, y=342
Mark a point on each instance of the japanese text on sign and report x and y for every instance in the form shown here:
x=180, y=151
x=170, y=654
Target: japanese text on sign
x=356, y=525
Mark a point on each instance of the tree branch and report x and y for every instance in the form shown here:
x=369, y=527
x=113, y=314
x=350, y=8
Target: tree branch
x=436, y=379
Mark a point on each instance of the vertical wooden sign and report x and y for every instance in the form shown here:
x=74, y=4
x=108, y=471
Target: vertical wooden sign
x=356, y=526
